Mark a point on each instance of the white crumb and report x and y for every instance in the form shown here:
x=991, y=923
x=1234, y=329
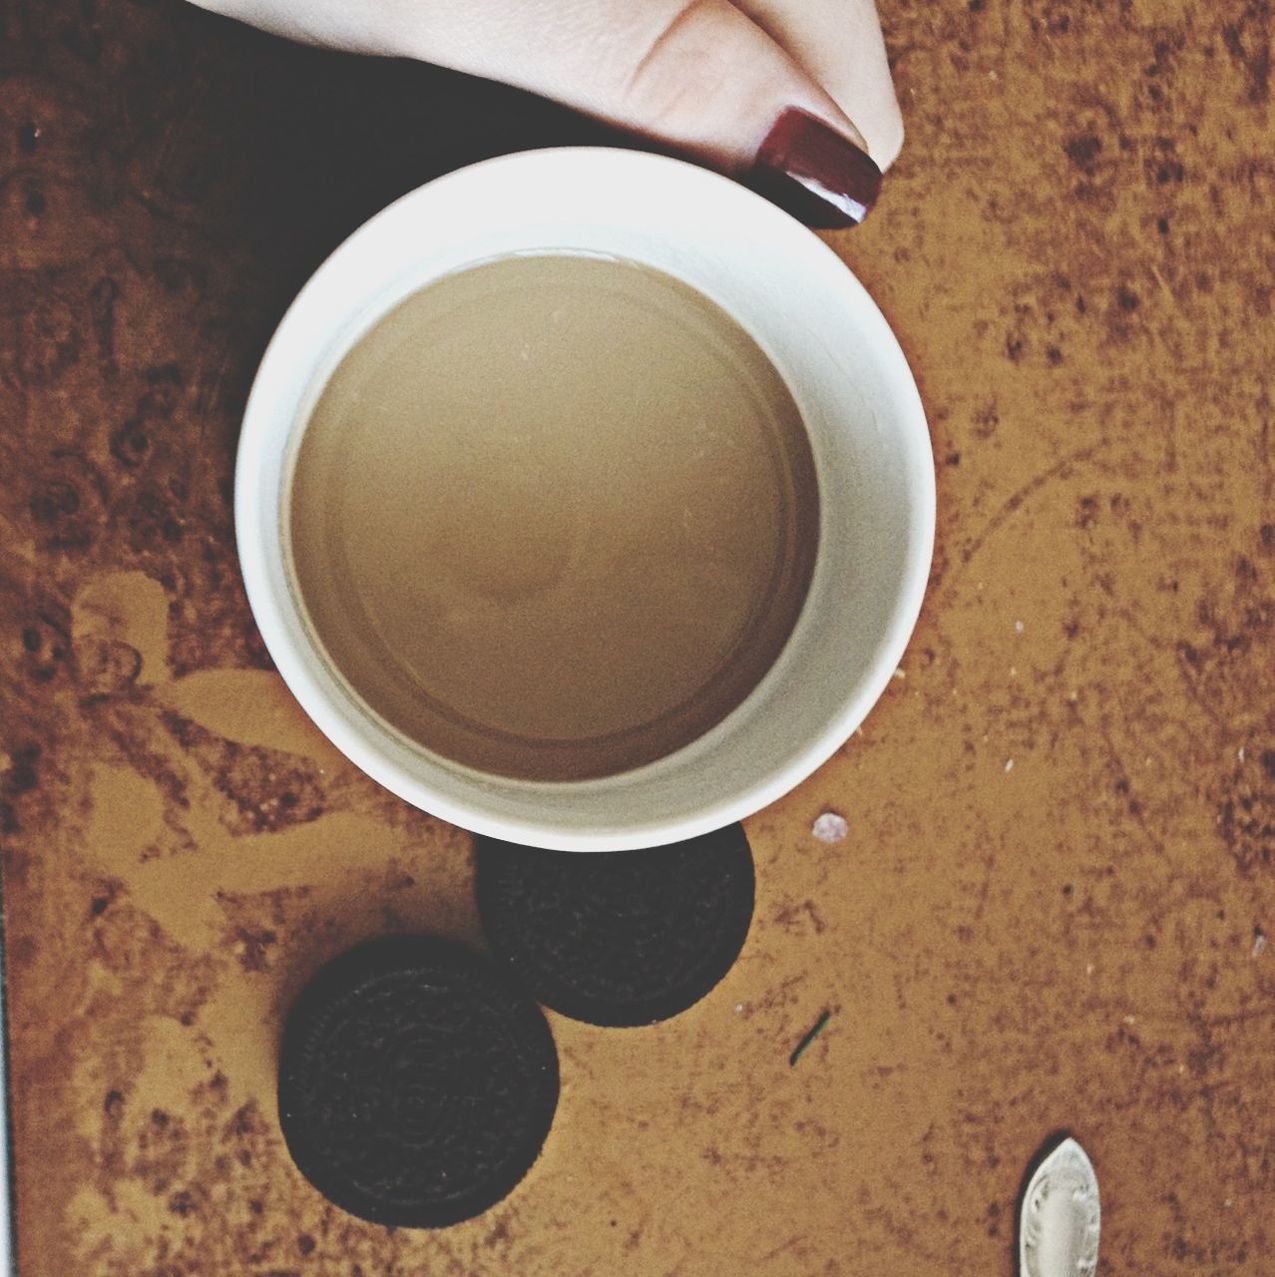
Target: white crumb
x=830, y=827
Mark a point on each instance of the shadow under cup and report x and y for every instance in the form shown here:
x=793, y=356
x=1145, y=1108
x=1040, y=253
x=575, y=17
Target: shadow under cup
x=820, y=331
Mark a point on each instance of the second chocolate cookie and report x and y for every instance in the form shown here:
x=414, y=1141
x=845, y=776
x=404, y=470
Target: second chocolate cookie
x=618, y=938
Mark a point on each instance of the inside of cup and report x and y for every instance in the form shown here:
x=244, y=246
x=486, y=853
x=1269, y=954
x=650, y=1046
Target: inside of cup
x=845, y=370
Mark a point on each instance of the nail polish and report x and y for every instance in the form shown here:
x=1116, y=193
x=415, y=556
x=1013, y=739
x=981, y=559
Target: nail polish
x=815, y=173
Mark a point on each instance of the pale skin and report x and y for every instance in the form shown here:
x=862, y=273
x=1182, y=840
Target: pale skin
x=708, y=77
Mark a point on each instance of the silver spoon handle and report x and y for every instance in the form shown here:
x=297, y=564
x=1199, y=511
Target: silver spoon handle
x=1061, y=1217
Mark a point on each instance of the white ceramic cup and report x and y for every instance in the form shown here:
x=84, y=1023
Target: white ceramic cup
x=845, y=370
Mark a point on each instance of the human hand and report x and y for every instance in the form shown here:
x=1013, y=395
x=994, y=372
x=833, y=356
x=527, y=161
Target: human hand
x=787, y=94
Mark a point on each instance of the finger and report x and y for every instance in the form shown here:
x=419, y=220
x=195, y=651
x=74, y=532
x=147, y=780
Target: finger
x=697, y=74
x=839, y=42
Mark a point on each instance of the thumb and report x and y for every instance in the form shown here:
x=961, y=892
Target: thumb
x=696, y=74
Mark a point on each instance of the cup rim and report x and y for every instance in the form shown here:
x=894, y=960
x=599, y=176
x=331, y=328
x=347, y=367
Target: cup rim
x=260, y=555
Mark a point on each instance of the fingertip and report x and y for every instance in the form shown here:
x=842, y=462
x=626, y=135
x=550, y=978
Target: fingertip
x=885, y=138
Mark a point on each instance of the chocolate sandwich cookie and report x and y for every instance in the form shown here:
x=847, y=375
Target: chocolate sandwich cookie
x=623, y=937
x=416, y=1087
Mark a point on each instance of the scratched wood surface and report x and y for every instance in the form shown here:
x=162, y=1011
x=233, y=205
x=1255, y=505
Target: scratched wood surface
x=1052, y=904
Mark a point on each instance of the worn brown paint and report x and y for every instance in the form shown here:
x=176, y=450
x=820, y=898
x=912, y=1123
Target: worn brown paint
x=1076, y=252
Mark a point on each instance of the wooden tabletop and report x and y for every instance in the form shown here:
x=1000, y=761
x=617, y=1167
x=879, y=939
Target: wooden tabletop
x=1052, y=906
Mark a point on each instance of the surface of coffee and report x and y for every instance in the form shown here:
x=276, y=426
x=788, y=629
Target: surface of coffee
x=554, y=516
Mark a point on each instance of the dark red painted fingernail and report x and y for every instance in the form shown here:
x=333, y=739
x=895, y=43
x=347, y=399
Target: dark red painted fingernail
x=815, y=173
